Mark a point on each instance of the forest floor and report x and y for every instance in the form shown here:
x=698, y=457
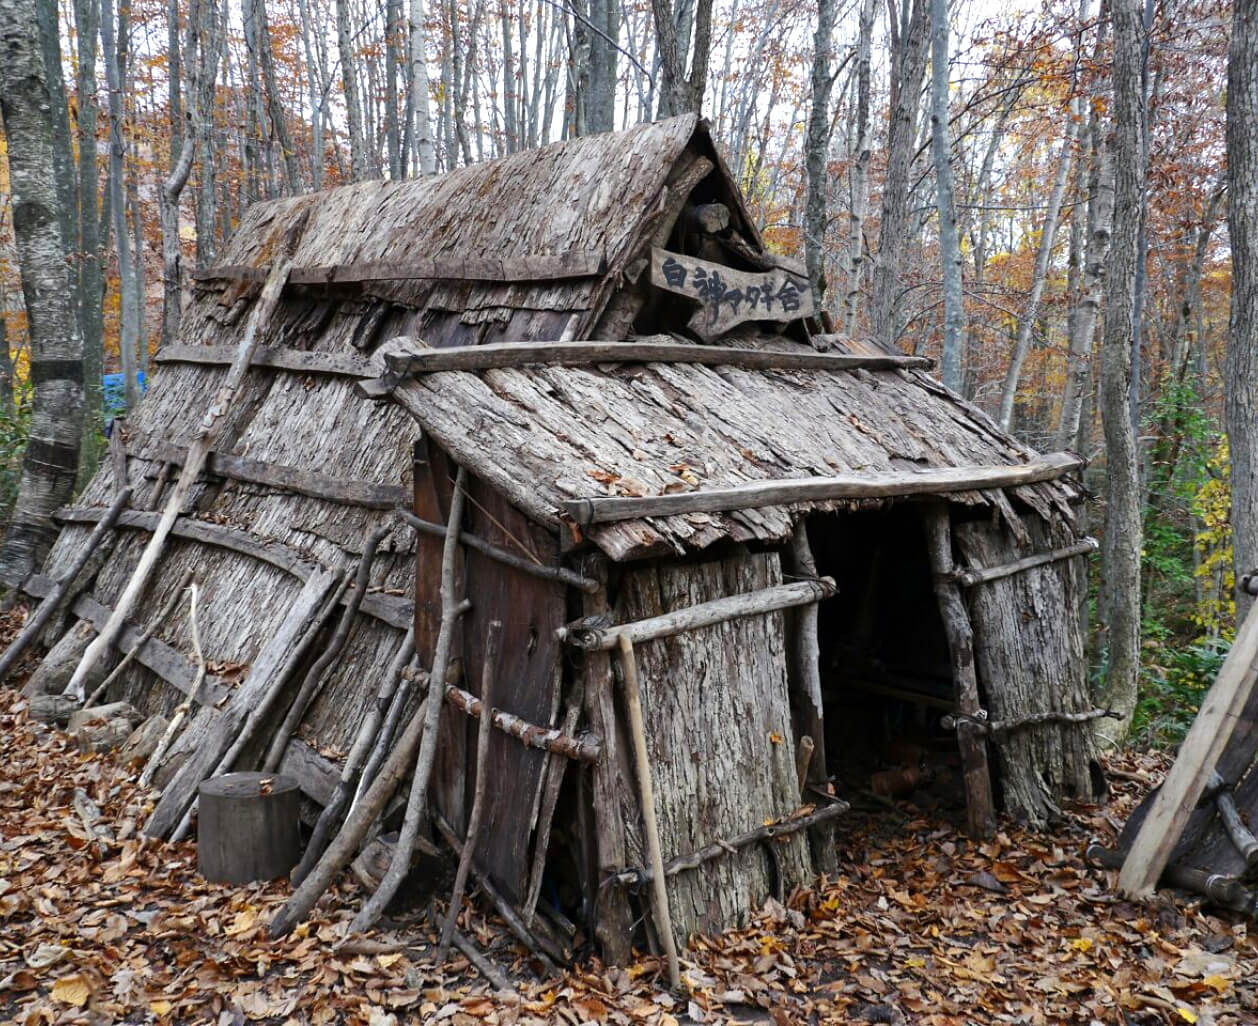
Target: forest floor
x=918, y=926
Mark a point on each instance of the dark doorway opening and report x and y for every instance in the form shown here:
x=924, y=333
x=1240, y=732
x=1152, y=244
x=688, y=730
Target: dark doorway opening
x=885, y=668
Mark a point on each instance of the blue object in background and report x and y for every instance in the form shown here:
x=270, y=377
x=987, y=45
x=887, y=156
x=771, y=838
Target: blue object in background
x=115, y=394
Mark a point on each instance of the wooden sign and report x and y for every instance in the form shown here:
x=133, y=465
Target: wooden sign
x=727, y=297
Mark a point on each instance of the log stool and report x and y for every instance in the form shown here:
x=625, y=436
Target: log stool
x=248, y=827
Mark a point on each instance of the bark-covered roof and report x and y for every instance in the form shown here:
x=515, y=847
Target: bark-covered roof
x=547, y=434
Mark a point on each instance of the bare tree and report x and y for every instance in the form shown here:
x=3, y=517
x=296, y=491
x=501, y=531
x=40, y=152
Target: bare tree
x=860, y=156
x=56, y=351
x=945, y=200
x=1242, y=220
x=680, y=92
x=1120, y=570
x=817, y=147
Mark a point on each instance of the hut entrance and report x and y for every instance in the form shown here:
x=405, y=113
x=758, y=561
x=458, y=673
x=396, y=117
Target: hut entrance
x=885, y=667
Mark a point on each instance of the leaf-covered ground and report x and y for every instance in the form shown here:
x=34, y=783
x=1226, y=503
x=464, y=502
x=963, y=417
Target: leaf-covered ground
x=920, y=926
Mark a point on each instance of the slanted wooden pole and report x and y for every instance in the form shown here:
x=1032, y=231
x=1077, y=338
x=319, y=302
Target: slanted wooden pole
x=39, y=619
x=208, y=431
x=646, y=791
x=980, y=815
x=1207, y=738
x=417, y=804
x=488, y=670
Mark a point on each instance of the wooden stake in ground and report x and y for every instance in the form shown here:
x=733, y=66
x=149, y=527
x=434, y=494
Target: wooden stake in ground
x=1207, y=737
x=39, y=619
x=482, y=782
x=181, y=711
x=334, y=811
x=980, y=817
x=646, y=790
x=417, y=803
x=208, y=432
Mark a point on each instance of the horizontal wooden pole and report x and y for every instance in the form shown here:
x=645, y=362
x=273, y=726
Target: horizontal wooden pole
x=638, y=876
x=969, y=578
x=705, y=614
x=343, y=365
x=938, y=481
x=577, y=354
x=166, y=662
x=542, y=267
x=394, y=610
x=584, y=747
x=549, y=573
x=344, y=491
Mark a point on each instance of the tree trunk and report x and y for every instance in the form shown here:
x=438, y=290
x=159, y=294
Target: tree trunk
x=56, y=348
x=908, y=68
x=1121, y=555
x=860, y=171
x=274, y=108
x=1242, y=221
x=817, y=149
x=115, y=49
x=945, y=200
x=392, y=119
x=353, y=107
x=1039, y=274
x=1100, y=222
x=91, y=285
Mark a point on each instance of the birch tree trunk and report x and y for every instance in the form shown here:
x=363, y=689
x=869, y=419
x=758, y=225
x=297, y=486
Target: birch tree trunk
x=1242, y=220
x=945, y=201
x=56, y=348
x=1043, y=254
x=908, y=68
x=1120, y=568
x=817, y=149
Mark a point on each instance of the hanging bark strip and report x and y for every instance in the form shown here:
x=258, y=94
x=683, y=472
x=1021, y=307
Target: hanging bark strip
x=211, y=427
x=143, y=640
x=718, y=849
x=646, y=792
x=490, y=664
x=39, y=619
x=417, y=803
x=980, y=818
x=320, y=671
x=334, y=811
x=351, y=835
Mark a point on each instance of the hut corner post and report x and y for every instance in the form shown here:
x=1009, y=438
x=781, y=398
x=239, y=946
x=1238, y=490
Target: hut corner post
x=613, y=928
x=980, y=816
x=808, y=701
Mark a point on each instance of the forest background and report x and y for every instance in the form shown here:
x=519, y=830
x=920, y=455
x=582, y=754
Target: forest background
x=1038, y=197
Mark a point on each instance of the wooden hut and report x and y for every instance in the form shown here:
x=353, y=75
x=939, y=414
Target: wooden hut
x=774, y=518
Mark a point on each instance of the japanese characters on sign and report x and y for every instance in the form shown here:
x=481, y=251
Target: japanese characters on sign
x=729, y=296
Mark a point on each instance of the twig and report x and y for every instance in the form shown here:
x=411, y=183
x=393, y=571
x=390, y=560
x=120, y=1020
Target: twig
x=484, y=966
x=149, y=631
x=478, y=795
x=417, y=802
x=322, y=668
x=646, y=792
x=39, y=619
x=181, y=711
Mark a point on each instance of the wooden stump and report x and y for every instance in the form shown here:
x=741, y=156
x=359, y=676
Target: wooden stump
x=247, y=827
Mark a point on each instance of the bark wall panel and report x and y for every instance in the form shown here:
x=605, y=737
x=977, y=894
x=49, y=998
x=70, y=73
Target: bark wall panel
x=713, y=699
x=1029, y=649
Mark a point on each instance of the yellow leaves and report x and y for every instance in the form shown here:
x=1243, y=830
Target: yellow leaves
x=1083, y=944
x=245, y=921
x=72, y=990
x=160, y=1008
x=389, y=959
x=1186, y=1015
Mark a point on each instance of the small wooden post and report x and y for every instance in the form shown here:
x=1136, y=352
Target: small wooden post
x=248, y=827
x=659, y=890
x=980, y=818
